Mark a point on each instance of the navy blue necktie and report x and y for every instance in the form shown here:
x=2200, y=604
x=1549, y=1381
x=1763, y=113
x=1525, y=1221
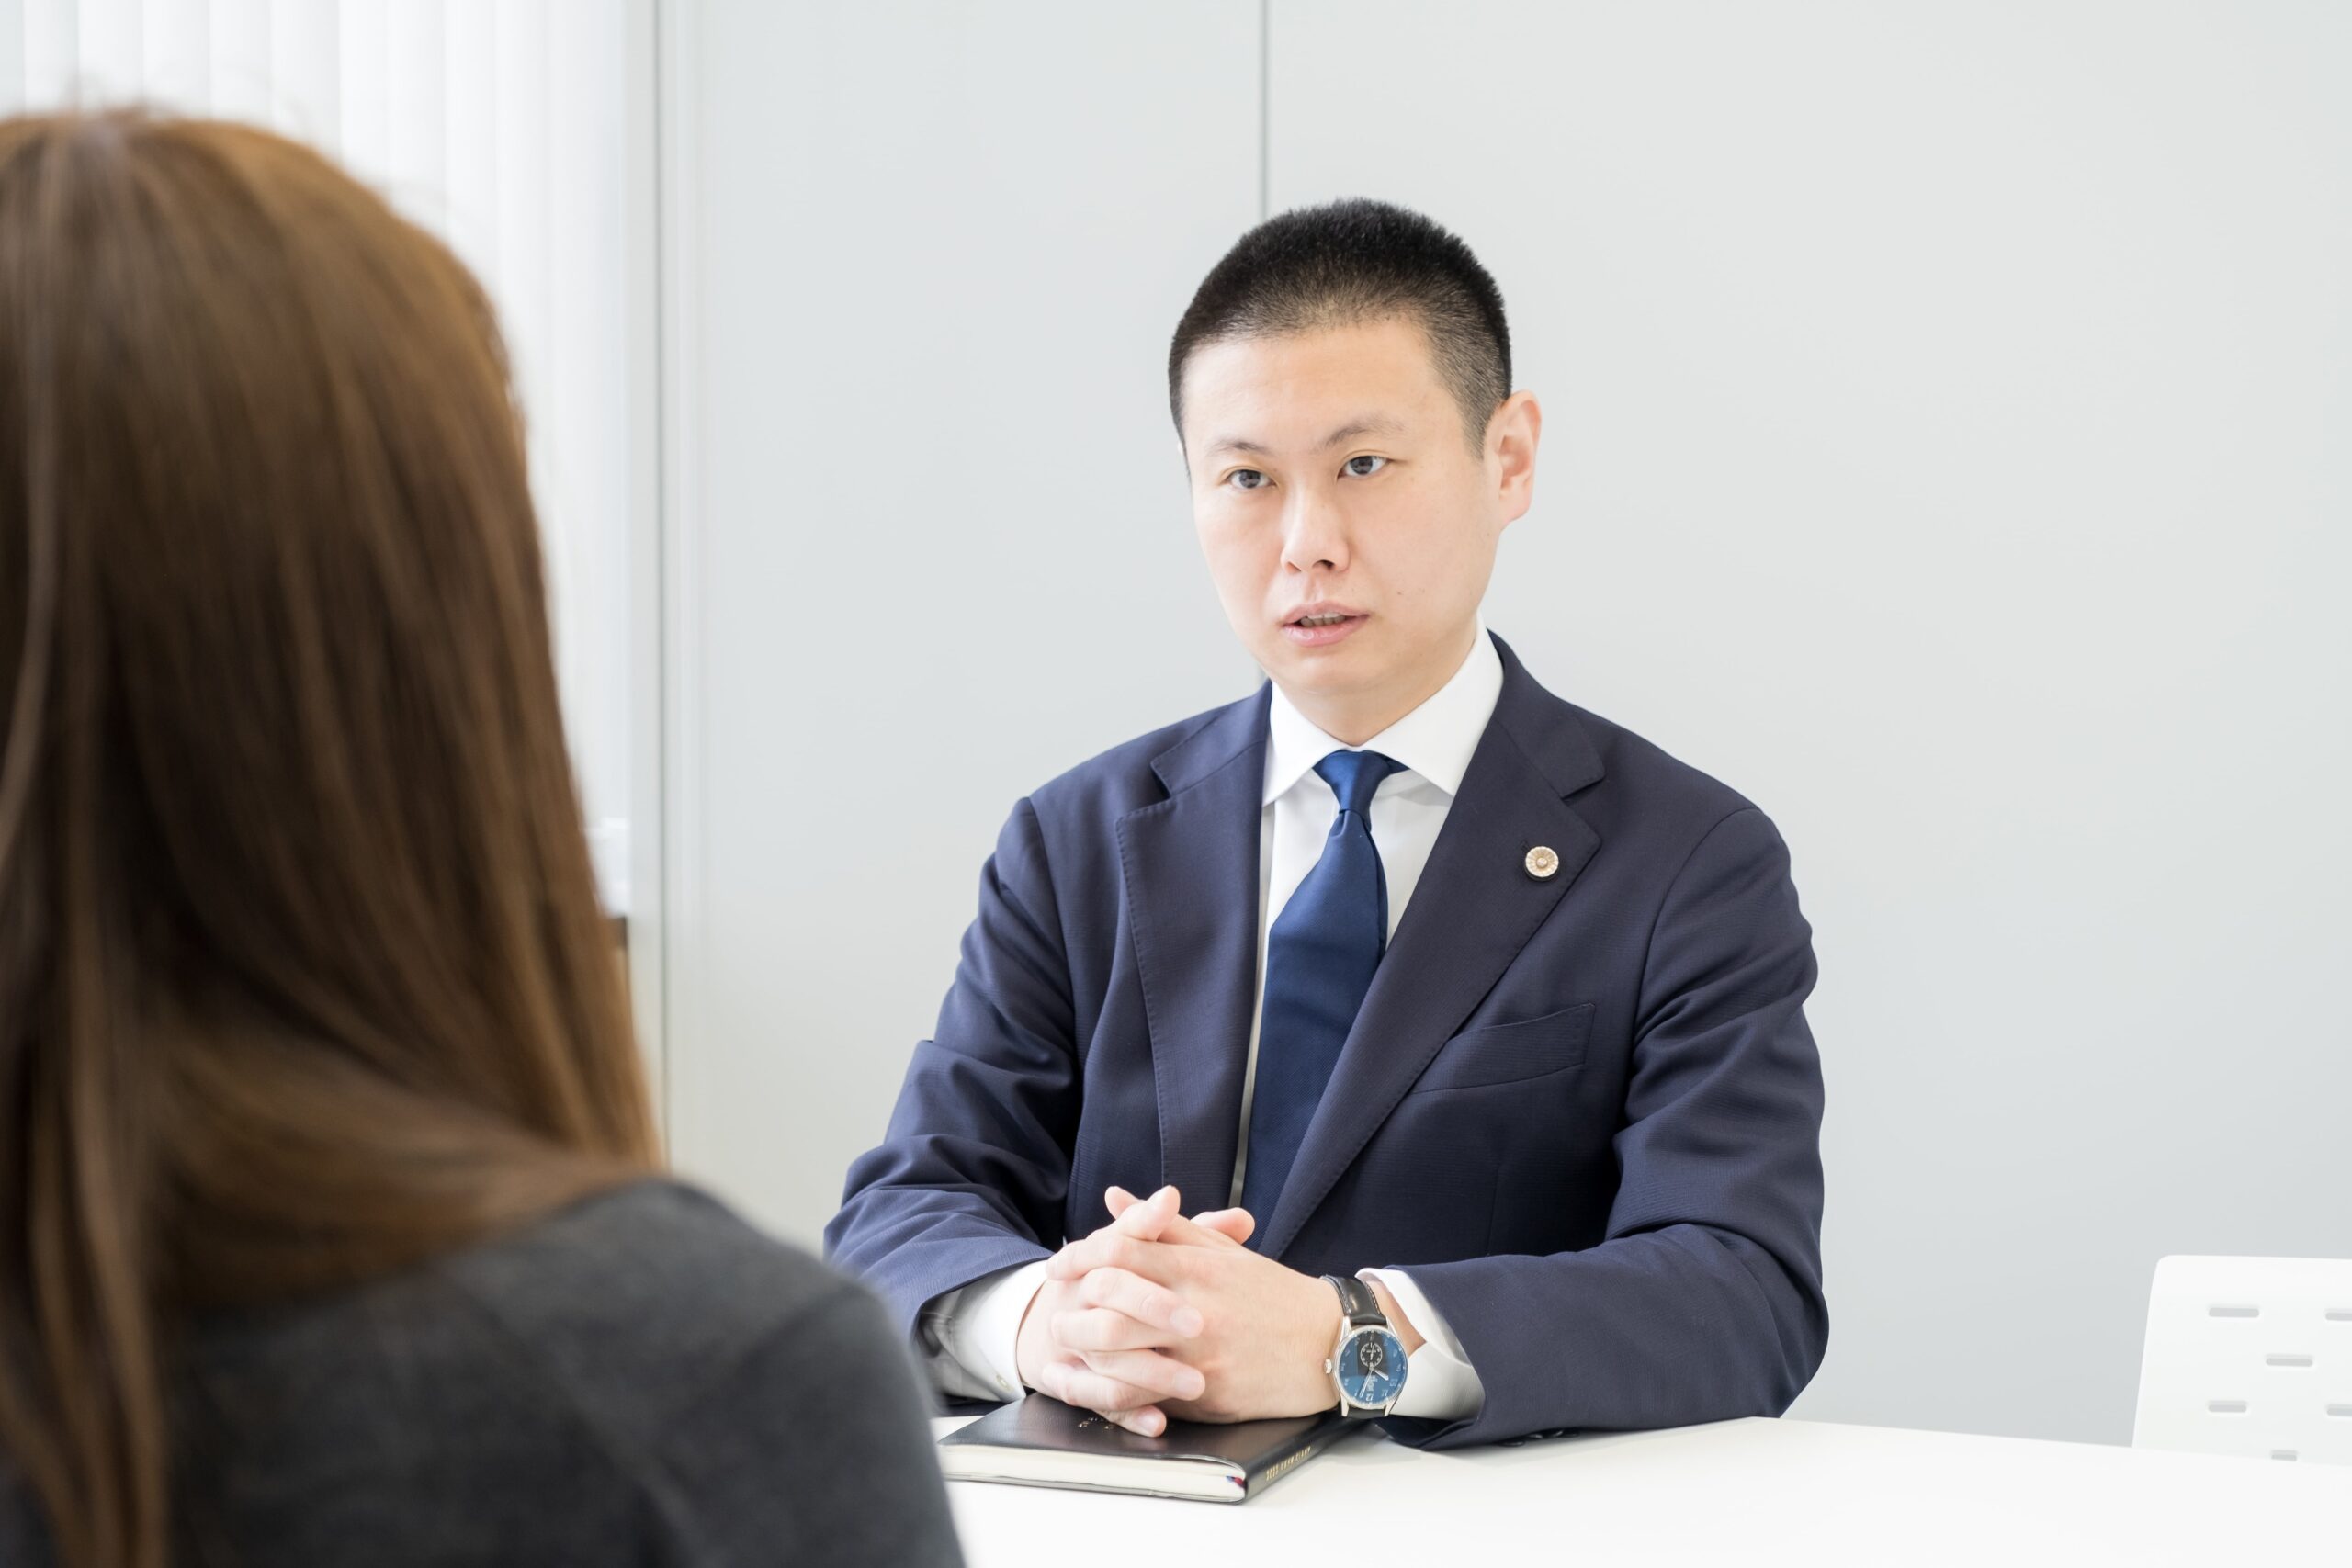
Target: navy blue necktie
x=1319, y=959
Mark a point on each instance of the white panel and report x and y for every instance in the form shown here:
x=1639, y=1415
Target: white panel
x=416, y=110
x=588, y=474
x=520, y=168
x=306, y=73
x=932, y=258
x=175, y=36
x=471, y=73
x=501, y=125
x=111, y=60
x=241, y=60
x=53, y=38
x=637, y=883
x=1945, y=447
x=363, y=42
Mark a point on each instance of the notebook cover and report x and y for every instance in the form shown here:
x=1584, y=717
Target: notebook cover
x=1263, y=1451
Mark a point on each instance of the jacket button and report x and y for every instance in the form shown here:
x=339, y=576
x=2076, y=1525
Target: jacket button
x=1542, y=861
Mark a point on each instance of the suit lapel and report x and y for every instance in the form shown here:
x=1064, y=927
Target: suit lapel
x=1473, y=910
x=1189, y=864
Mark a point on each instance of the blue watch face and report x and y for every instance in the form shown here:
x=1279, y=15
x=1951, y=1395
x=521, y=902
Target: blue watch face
x=1370, y=1366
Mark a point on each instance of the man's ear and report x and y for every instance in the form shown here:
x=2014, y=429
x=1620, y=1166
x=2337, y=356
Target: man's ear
x=1512, y=438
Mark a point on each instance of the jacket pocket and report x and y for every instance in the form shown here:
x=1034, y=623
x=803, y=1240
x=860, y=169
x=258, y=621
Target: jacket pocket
x=1510, y=1052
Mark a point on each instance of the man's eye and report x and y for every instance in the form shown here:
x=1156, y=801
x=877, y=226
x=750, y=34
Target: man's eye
x=1251, y=474
x=1363, y=457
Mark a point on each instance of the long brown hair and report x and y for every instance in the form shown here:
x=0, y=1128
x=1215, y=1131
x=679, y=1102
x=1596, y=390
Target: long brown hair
x=302, y=974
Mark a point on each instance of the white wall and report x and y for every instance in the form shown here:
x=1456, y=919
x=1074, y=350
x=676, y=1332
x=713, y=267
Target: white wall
x=932, y=542
x=1944, y=446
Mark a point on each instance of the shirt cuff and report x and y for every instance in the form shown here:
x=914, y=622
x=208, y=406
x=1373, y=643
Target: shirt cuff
x=1440, y=1382
x=971, y=1336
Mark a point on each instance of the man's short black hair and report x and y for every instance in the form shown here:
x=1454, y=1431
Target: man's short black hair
x=1352, y=261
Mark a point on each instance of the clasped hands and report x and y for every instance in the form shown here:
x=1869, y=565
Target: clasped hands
x=1157, y=1315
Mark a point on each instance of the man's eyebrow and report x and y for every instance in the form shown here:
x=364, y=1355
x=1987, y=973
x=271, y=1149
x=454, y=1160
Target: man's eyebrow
x=1364, y=425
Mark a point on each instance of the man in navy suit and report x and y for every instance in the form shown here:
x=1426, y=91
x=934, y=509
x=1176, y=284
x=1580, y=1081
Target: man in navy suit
x=1469, y=1023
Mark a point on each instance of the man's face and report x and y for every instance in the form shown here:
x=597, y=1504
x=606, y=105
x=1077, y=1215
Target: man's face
x=1349, y=524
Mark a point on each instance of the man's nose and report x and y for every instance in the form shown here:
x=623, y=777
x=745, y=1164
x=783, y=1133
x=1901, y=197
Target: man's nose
x=1314, y=534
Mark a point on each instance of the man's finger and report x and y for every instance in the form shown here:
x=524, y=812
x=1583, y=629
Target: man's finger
x=1235, y=1224
x=1166, y=1377
x=1146, y=1300
x=1158, y=1315
x=1146, y=1422
x=1139, y=1219
x=1097, y=1328
x=1110, y=1248
x=1142, y=1217
x=1073, y=1382
x=1179, y=1230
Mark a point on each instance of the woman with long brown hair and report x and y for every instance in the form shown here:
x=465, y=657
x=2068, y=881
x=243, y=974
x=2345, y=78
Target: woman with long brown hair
x=330, y=1222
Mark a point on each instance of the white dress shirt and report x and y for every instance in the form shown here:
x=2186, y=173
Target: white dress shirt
x=970, y=1335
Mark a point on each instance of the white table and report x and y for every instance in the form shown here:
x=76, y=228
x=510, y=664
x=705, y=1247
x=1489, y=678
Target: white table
x=1727, y=1494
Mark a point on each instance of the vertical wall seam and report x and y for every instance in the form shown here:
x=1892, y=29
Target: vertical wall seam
x=1265, y=108
x=662, y=458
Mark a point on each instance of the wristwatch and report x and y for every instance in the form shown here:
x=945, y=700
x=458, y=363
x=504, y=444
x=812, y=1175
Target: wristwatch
x=1368, y=1365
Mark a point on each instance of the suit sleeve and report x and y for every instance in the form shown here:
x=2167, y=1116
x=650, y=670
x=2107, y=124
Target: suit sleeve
x=1703, y=1301
x=970, y=1338
x=972, y=1174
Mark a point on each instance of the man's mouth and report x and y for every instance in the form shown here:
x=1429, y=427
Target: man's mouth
x=1319, y=626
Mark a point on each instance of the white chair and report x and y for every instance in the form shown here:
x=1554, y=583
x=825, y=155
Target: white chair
x=2249, y=1356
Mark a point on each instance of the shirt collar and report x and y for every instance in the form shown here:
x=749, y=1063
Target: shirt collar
x=1435, y=740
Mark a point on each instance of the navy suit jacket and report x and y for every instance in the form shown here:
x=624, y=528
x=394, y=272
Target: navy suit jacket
x=1583, y=1110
